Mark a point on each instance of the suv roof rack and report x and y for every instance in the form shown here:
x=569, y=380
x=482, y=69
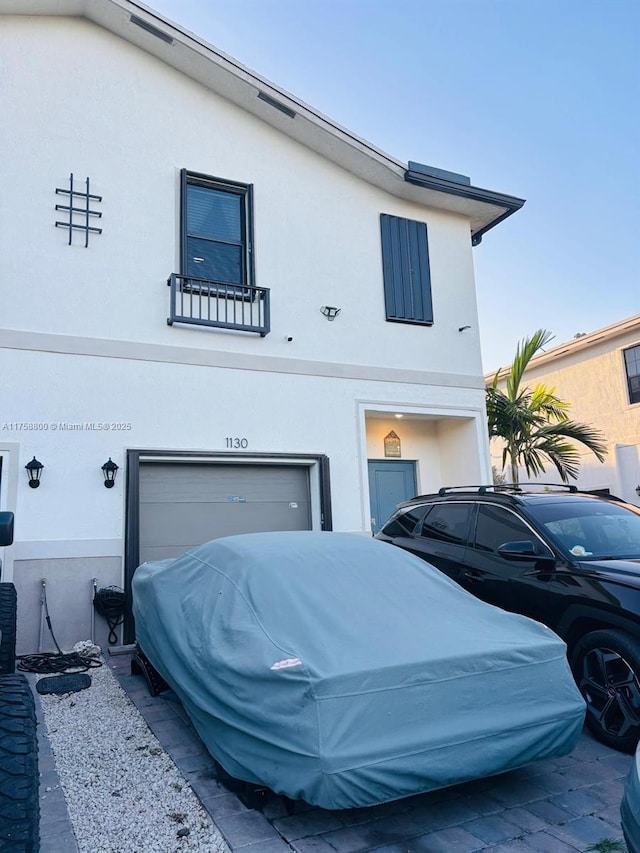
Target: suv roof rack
x=507, y=487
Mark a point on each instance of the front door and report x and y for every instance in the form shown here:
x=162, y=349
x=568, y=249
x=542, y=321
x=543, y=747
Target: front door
x=390, y=483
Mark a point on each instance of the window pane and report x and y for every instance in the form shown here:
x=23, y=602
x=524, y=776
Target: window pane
x=404, y=524
x=593, y=530
x=448, y=523
x=215, y=261
x=495, y=526
x=632, y=362
x=214, y=213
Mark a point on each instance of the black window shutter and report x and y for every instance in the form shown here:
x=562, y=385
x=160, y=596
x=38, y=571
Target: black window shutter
x=405, y=265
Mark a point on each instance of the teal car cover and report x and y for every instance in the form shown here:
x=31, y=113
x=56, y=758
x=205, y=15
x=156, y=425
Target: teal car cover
x=339, y=670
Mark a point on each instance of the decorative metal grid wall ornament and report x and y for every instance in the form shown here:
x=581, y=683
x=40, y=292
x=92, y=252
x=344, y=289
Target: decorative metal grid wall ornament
x=79, y=211
x=392, y=445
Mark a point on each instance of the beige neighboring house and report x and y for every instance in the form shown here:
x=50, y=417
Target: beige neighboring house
x=599, y=374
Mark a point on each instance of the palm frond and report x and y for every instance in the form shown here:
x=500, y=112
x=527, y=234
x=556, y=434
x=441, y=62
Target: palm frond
x=525, y=351
x=534, y=424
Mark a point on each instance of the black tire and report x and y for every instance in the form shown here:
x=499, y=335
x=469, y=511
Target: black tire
x=19, y=778
x=7, y=628
x=606, y=667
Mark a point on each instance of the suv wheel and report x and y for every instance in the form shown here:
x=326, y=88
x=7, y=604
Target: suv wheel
x=606, y=666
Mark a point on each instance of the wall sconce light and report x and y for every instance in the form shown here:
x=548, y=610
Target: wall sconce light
x=109, y=469
x=34, y=470
x=463, y=328
x=638, y=490
x=330, y=312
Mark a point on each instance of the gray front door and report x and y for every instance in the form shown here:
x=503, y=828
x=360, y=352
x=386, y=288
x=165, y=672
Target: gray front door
x=390, y=483
x=184, y=504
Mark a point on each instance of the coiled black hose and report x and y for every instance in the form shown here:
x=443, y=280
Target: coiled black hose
x=46, y=662
x=109, y=602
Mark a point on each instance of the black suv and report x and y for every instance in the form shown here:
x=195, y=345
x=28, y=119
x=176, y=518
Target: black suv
x=566, y=558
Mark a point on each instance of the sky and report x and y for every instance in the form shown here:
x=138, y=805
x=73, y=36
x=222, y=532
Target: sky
x=538, y=99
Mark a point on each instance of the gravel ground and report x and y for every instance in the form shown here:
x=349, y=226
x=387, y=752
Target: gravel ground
x=123, y=792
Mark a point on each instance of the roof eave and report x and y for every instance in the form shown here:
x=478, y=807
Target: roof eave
x=505, y=203
x=582, y=342
x=217, y=71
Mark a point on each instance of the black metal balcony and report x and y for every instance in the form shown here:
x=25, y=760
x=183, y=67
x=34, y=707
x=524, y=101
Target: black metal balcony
x=201, y=302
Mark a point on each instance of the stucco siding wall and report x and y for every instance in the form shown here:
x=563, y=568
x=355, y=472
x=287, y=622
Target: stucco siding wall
x=69, y=592
x=597, y=390
x=89, y=367
x=418, y=442
x=99, y=107
x=186, y=407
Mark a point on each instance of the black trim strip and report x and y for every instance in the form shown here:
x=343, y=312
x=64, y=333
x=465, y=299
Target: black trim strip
x=511, y=203
x=131, y=538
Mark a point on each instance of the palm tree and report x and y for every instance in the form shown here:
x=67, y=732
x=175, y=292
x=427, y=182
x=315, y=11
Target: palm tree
x=534, y=424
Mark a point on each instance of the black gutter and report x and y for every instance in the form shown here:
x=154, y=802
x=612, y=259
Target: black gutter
x=464, y=190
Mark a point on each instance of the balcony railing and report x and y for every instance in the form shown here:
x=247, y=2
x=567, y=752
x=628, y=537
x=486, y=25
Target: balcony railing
x=201, y=302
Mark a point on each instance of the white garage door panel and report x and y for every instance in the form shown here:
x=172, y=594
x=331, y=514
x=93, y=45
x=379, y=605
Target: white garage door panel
x=183, y=505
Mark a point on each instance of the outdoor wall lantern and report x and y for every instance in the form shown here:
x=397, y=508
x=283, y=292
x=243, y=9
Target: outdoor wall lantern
x=330, y=312
x=109, y=469
x=34, y=470
x=638, y=490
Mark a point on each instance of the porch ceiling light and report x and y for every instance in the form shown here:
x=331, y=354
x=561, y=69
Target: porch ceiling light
x=109, y=470
x=330, y=312
x=34, y=470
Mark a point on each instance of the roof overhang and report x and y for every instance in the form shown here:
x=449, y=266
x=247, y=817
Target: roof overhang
x=187, y=53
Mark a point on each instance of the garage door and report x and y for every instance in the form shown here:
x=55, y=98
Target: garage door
x=184, y=504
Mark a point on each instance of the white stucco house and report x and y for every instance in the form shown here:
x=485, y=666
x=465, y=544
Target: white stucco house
x=264, y=321
x=599, y=375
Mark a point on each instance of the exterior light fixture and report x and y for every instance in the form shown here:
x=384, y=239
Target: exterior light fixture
x=463, y=328
x=34, y=470
x=109, y=469
x=330, y=312
x=638, y=490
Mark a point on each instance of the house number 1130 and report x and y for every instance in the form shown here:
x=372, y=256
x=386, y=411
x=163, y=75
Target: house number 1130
x=236, y=443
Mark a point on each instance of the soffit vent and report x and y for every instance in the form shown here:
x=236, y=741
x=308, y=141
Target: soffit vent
x=145, y=25
x=276, y=104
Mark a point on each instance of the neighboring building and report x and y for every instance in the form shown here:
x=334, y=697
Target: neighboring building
x=180, y=320
x=599, y=375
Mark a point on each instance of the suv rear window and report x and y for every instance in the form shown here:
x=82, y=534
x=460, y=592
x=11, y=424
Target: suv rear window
x=448, y=522
x=405, y=523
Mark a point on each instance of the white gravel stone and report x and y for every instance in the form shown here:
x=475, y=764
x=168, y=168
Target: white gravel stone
x=123, y=792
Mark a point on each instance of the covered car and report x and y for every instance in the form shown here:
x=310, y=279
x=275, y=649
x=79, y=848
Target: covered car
x=336, y=670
